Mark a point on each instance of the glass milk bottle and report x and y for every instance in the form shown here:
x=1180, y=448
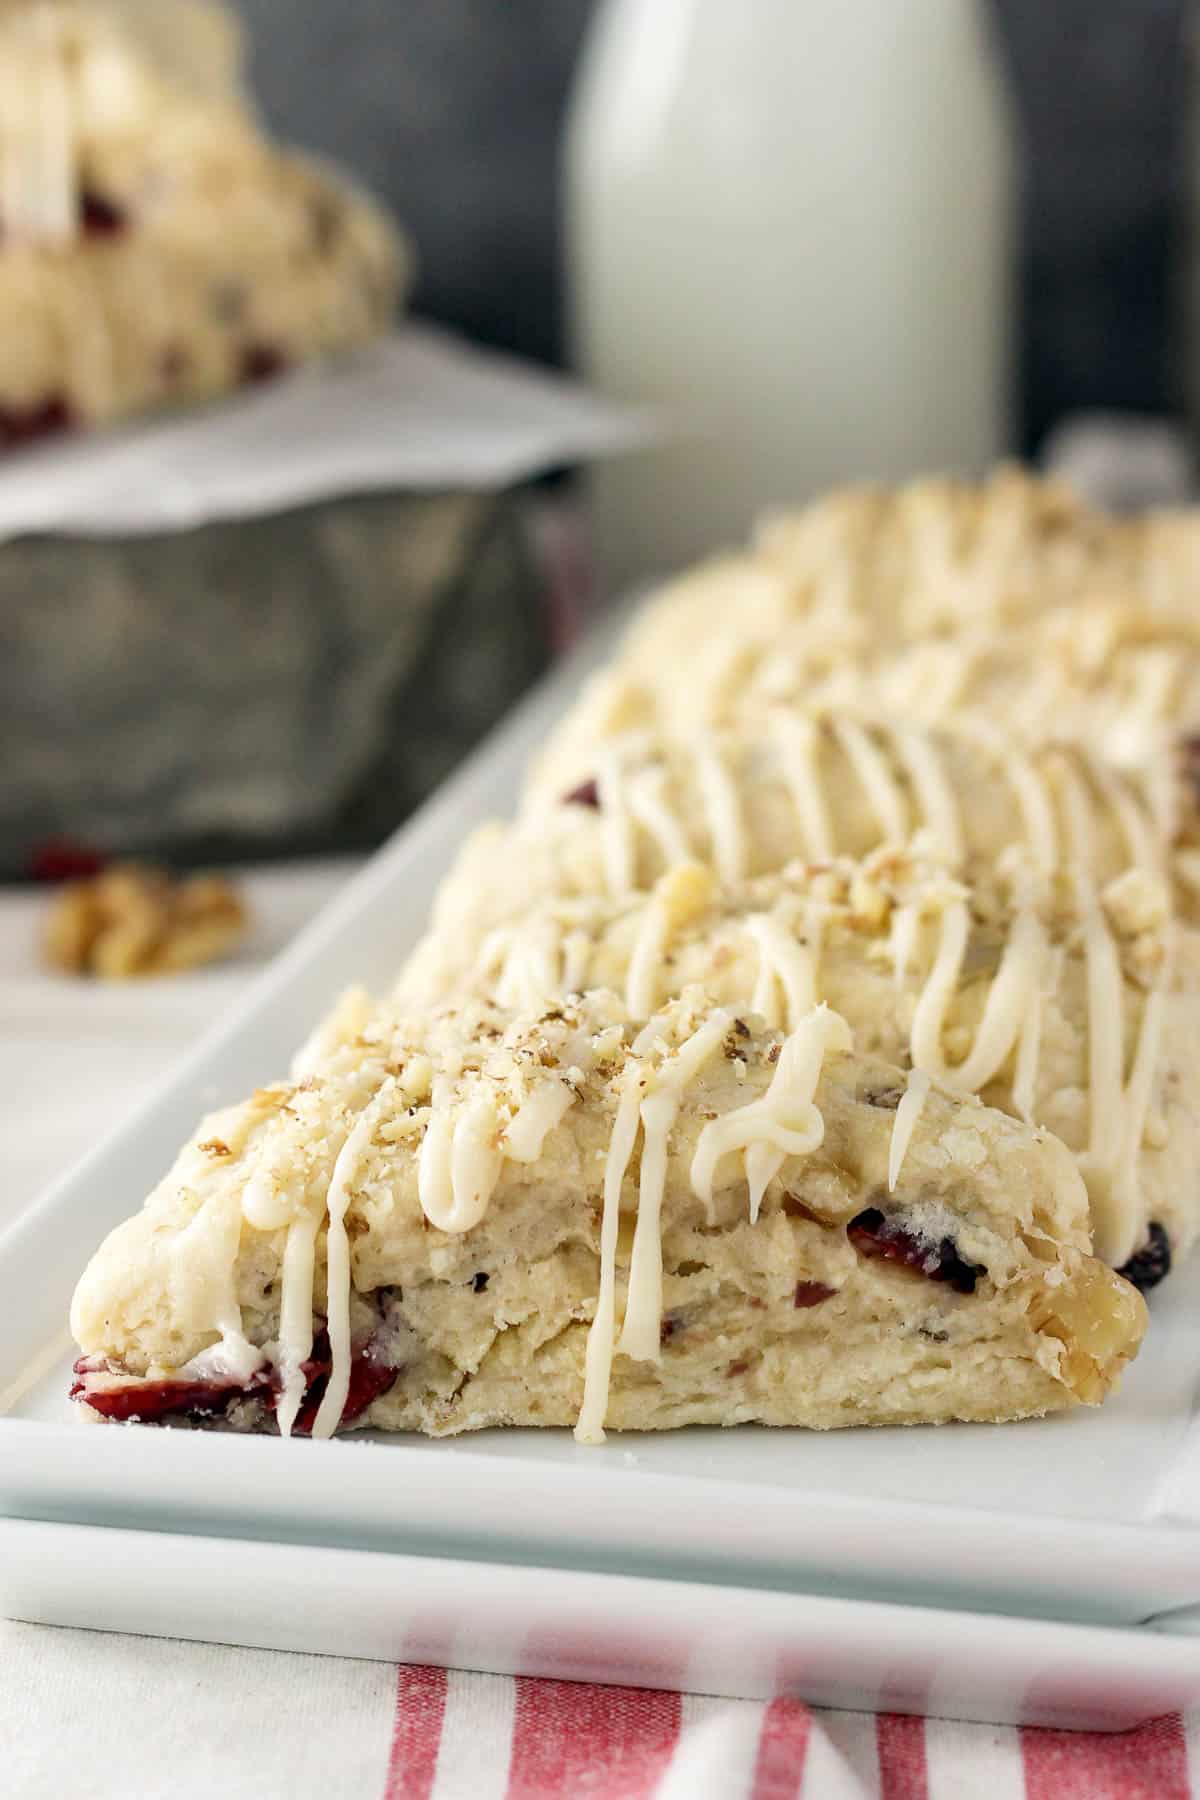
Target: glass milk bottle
x=789, y=222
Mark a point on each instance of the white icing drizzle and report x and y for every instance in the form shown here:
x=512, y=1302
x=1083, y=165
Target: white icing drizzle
x=337, y=1262
x=785, y=963
x=204, y=1282
x=1028, y=784
x=941, y=985
x=589, y=1428
x=798, y=742
x=919, y=755
x=296, y=1316
x=1157, y=672
x=901, y=771
x=1117, y=1222
x=530, y=959
x=931, y=679
x=1105, y=997
x=1106, y=1050
x=641, y=1331
x=902, y=939
x=1117, y=1112
x=1143, y=840
x=1037, y=808
x=912, y=1103
x=539, y=1113
x=722, y=810
x=467, y=1142
x=784, y=1121
x=576, y=954
x=1015, y=985
x=460, y=1160
x=616, y=828
x=648, y=804
x=1029, y=1044
x=879, y=784
x=641, y=982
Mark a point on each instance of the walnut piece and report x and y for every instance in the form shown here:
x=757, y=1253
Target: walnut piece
x=132, y=921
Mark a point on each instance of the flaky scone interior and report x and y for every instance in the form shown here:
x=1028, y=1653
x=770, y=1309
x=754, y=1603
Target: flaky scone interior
x=476, y=1218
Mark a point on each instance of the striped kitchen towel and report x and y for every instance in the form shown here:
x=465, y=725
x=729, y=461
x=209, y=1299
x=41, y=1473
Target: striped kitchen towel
x=86, y=1713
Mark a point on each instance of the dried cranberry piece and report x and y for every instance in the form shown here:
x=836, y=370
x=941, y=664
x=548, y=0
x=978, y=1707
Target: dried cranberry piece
x=1152, y=1263
x=101, y=217
x=261, y=362
x=873, y=1234
x=811, y=1293
x=586, y=794
x=369, y=1379
x=25, y=425
x=153, y=1401
x=479, y=1282
x=58, y=859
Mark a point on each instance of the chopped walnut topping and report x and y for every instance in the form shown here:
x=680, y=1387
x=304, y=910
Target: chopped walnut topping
x=214, y=1147
x=1136, y=902
x=132, y=921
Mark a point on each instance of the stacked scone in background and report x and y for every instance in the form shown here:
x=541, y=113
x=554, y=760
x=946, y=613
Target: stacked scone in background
x=816, y=1047
x=157, y=248
x=230, y=676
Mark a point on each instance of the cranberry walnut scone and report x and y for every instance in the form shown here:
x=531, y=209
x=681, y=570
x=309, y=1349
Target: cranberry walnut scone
x=1116, y=676
x=865, y=569
x=613, y=817
x=155, y=248
x=1074, y=1009
x=573, y=1219
x=1009, y=599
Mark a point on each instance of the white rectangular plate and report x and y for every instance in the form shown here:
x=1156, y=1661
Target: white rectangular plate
x=583, y=1627
x=1092, y=1517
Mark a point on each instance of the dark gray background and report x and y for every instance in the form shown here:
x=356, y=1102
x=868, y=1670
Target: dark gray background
x=452, y=109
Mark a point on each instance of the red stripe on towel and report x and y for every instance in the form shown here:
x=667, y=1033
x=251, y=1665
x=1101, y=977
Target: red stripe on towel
x=1147, y=1764
x=572, y=1737
x=416, y=1732
x=900, y=1743
x=782, y=1747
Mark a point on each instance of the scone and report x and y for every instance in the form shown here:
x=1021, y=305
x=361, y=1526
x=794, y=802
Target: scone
x=613, y=817
x=871, y=569
x=1009, y=598
x=1120, y=679
x=477, y=1219
x=155, y=249
x=1076, y=1010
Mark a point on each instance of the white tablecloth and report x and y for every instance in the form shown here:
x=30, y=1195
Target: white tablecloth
x=96, y=1716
